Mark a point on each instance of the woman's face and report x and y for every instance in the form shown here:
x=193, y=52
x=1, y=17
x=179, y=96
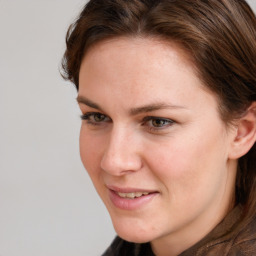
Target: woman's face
x=152, y=141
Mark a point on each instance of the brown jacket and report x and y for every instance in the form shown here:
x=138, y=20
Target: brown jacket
x=220, y=242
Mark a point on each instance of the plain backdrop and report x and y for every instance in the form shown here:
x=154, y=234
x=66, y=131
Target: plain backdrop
x=48, y=206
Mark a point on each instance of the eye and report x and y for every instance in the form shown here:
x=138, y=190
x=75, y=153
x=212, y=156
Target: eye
x=98, y=117
x=157, y=123
x=95, y=118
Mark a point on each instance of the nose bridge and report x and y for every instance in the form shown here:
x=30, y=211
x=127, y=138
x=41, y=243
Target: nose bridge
x=121, y=154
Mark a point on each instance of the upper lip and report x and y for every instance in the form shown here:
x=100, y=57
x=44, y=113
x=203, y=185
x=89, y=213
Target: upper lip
x=129, y=189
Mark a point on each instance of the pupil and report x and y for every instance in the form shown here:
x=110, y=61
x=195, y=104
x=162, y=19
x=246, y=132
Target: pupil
x=158, y=122
x=98, y=117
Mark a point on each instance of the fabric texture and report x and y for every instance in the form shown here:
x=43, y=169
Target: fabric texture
x=222, y=240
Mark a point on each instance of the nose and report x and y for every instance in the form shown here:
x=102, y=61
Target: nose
x=121, y=155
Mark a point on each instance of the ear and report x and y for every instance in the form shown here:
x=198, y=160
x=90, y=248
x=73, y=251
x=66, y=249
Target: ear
x=245, y=135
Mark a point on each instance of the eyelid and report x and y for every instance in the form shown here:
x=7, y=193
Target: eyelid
x=87, y=116
x=148, y=118
x=168, y=123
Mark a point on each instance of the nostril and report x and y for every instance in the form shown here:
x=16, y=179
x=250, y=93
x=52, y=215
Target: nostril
x=120, y=163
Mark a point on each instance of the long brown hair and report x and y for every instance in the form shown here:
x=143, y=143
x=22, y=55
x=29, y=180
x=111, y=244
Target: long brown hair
x=219, y=35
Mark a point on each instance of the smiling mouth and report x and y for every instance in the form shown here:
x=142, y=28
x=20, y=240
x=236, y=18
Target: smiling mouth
x=130, y=199
x=132, y=195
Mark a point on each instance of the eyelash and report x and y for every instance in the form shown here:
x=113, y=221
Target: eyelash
x=165, y=122
x=90, y=115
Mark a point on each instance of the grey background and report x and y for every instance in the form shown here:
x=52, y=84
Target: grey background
x=48, y=206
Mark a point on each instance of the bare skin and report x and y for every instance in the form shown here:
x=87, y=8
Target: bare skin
x=151, y=126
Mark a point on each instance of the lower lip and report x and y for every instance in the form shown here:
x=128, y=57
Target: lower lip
x=130, y=204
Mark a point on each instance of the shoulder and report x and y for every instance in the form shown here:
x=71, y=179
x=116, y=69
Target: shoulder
x=242, y=243
x=245, y=248
x=228, y=238
x=245, y=242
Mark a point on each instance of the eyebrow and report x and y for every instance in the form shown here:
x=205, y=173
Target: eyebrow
x=134, y=111
x=154, y=107
x=89, y=103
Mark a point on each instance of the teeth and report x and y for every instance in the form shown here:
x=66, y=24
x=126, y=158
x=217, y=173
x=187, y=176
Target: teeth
x=132, y=195
x=121, y=194
x=138, y=194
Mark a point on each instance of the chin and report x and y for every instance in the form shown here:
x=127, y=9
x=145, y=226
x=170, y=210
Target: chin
x=134, y=238
x=133, y=231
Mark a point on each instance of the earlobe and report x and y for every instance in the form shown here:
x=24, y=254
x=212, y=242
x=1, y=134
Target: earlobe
x=245, y=136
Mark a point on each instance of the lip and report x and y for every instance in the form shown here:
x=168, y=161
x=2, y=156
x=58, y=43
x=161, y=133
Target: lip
x=130, y=190
x=128, y=203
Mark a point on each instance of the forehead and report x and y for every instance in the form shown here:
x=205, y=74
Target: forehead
x=152, y=47
x=142, y=67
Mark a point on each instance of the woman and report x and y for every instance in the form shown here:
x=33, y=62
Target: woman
x=167, y=90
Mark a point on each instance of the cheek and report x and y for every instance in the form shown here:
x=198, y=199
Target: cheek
x=190, y=167
x=177, y=170
x=90, y=151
